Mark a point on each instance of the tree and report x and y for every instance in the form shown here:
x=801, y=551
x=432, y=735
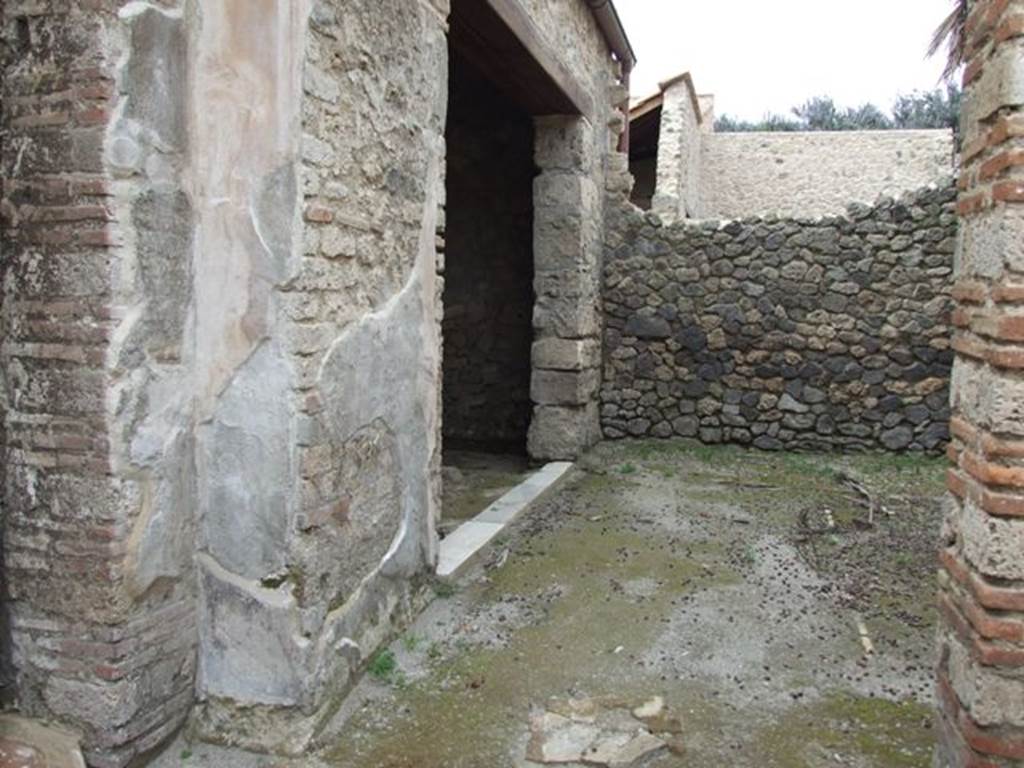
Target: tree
x=928, y=109
x=939, y=108
x=822, y=114
x=921, y=109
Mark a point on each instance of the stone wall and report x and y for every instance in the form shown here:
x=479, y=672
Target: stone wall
x=488, y=294
x=815, y=173
x=572, y=154
x=221, y=423
x=318, y=460
x=801, y=334
x=99, y=581
x=677, y=192
x=981, y=639
x=706, y=175
x=221, y=348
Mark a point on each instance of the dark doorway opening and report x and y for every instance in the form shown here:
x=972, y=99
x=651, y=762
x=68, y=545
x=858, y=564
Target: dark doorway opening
x=644, y=133
x=488, y=293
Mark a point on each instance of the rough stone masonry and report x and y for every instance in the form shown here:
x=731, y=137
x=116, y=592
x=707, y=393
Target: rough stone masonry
x=981, y=646
x=828, y=333
x=221, y=354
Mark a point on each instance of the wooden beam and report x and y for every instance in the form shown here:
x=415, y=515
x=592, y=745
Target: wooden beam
x=501, y=40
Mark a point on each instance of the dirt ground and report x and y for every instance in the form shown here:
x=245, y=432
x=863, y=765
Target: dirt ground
x=744, y=588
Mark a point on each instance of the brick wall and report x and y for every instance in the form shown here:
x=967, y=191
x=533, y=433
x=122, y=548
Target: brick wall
x=88, y=651
x=824, y=333
x=981, y=665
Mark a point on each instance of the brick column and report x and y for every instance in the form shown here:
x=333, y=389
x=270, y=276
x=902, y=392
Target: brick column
x=566, y=251
x=981, y=665
x=92, y=647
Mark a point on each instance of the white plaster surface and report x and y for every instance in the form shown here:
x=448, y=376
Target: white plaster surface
x=677, y=192
x=458, y=548
x=815, y=173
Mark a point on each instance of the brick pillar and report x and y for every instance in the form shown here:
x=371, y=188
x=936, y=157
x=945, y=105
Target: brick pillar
x=566, y=252
x=981, y=640
x=91, y=647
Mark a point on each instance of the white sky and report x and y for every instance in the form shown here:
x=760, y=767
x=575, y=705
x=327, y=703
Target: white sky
x=757, y=56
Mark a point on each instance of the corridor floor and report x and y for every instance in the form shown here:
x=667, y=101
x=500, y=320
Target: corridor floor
x=780, y=605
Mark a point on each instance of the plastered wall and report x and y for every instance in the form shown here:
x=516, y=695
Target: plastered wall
x=816, y=173
x=222, y=348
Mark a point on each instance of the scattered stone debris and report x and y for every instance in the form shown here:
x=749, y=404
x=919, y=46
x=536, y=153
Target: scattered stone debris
x=26, y=743
x=610, y=732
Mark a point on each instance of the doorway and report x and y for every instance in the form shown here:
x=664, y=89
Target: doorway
x=488, y=293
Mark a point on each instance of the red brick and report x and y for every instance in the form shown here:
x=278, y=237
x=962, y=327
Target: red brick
x=92, y=116
x=997, y=598
x=967, y=346
x=1010, y=27
x=1003, y=357
x=44, y=120
x=994, y=12
x=996, y=165
x=1007, y=743
x=1001, y=504
x=1008, y=293
x=95, y=91
x=1005, y=128
x=91, y=187
x=992, y=474
x=955, y=483
x=72, y=213
x=962, y=429
x=951, y=713
x=1000, y=448
x=1010, y=328
x=1008, y=191
x=953, y=453
x=966, y=206
x=101, y=238
x=319, y=214
x=970, y=292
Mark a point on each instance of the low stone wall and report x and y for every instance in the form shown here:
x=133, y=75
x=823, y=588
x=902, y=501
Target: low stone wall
x=809, y=334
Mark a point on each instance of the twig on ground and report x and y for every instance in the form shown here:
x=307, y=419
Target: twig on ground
x=867, y=498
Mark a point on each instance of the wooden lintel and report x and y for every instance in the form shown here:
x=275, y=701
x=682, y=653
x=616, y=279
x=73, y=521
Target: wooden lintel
x=501, y=40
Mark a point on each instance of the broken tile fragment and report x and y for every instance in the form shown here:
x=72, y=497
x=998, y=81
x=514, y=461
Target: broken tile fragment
x=555, y=739
x=650, y=708
x=640, y=746
x=606, y=733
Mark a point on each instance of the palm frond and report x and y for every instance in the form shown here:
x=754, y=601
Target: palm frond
x=951, y=33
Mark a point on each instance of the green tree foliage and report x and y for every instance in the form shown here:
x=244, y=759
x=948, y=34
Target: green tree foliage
x=931, y=109
x=939, y=108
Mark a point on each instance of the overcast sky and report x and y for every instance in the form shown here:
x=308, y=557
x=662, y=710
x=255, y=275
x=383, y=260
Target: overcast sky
x=757, y=56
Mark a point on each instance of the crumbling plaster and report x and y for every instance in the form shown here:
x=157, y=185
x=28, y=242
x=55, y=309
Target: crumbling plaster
x=259, y=484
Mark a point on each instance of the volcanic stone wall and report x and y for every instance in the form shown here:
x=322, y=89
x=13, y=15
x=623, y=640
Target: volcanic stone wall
x=827, y=333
